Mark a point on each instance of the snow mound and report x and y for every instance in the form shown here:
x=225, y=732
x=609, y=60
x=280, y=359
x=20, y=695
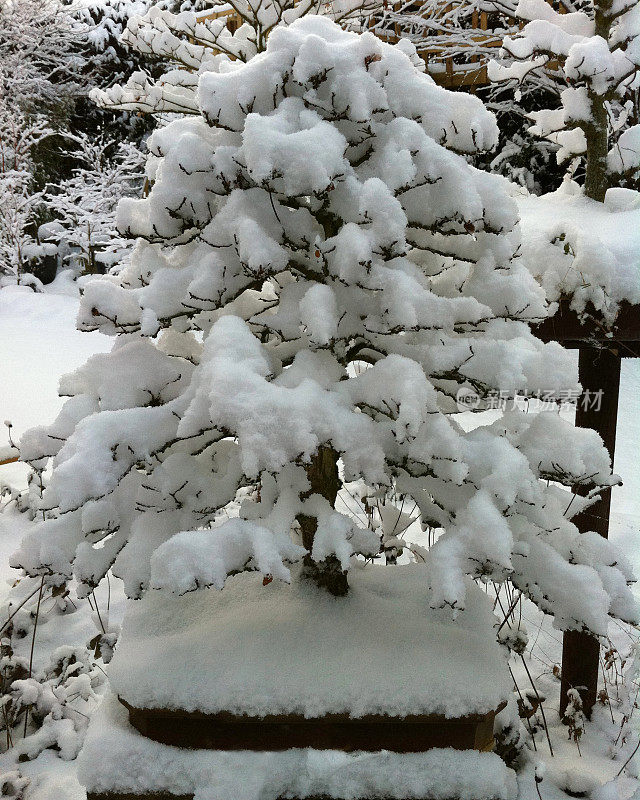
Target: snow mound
x=293, y=649
x=117, y=758
x=576, y=246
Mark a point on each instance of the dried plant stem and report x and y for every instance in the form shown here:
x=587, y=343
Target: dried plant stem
x=544, y=718
x=95, y=600
x=528, y=721
x=635, y=750
x=604, y=678
x=33, y=642
x=8, y=727
x=509, y=612
x=23, y=603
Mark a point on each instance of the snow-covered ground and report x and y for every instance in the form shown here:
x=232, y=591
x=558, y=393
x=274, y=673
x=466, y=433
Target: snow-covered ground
x=38, y=343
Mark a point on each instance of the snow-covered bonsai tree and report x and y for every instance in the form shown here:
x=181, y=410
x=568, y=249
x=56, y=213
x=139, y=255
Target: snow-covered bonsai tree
x=191, y=43
x=319, y=273
x=596, y=53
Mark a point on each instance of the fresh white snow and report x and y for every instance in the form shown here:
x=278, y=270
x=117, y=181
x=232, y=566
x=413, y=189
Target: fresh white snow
x=380, y=650
x=584, y=249
x=118, y=758
x=41, y=320
x=38, y=344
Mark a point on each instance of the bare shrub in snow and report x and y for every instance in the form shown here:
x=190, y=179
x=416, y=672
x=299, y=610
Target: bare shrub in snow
x=85, y=203
x=47, y=708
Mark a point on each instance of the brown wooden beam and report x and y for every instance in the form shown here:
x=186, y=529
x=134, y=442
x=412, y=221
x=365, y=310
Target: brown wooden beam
x=572, y=331
x=169, y=796
x=225, y=731
x=599, y=374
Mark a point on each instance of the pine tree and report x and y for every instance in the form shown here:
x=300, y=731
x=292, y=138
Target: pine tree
x=109, y=61
x=319, y=275
x=106, y=45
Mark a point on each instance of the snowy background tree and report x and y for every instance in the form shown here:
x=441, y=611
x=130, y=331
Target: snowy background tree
x=40, y=79
x=19, y=201
x=458, y=40
x=112, y=60
x=85, y=204
x=40, y=66
x=597, y=50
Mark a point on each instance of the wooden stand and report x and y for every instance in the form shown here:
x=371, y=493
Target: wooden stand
x=328, y=692
x=332, y=732
x=335, y=732
x=600, y=354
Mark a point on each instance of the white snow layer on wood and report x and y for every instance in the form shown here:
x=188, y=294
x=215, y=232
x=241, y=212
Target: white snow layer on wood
x=117, y=758
x=279, y=649
x=579, y=247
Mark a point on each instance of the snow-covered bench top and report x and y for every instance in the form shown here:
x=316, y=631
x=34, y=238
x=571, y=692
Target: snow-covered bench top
x=588, y=250
x=116, y=760
x=293, y=649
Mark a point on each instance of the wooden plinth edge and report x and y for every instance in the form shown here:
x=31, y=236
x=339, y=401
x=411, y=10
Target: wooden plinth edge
x=129, y=796
x=226, y=731
x=168, y=796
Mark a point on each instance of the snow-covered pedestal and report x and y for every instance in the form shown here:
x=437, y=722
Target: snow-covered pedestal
x=282, y=690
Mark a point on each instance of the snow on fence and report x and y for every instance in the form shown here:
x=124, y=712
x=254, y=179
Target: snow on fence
x=8, y=454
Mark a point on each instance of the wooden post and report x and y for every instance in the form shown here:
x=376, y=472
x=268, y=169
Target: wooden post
x=599, y=374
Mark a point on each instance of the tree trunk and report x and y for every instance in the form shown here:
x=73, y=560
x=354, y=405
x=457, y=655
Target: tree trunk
x=322, y=473
x=597, y=132
x=597, y=177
